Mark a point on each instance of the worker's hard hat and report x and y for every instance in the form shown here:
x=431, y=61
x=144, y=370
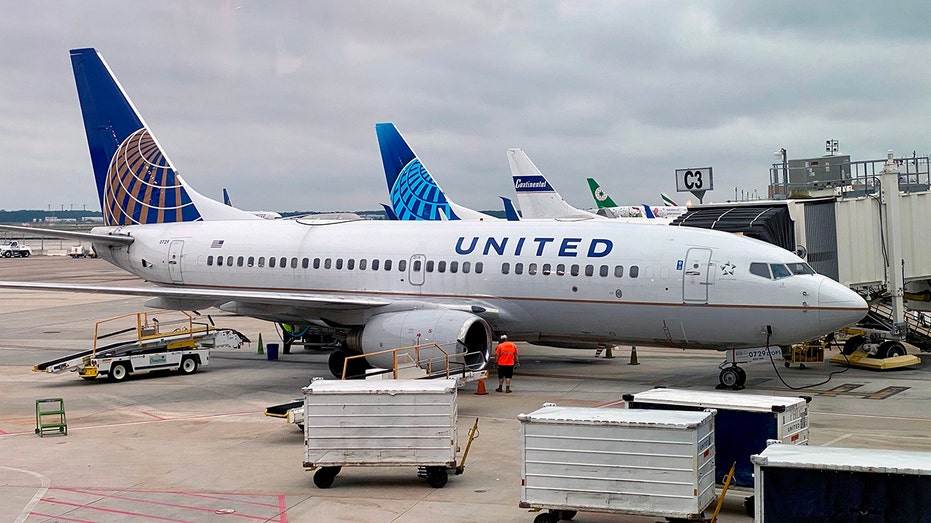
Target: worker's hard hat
x=504, y=337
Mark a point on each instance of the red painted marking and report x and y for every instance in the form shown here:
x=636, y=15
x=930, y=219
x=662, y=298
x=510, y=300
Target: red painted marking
x=159, y=418
x=281, y=506
x=282, y=509
x=222, y=496
x=2, y=432
x=112, y=511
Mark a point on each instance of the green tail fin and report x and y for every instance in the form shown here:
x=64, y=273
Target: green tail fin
x=600, y=196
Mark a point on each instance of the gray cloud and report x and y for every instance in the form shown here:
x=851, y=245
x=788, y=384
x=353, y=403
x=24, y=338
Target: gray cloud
x=277, y=100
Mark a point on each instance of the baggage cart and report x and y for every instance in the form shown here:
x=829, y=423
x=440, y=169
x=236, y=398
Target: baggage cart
x=359, y=423
x=796, y=483
x=616, y=461
x=743, y=424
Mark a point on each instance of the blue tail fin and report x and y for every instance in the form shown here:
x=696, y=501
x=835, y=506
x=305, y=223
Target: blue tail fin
x=136, y=182
x=648, y=211
x=389, y=212
x=415, y=195
x=226, y=198
x=510, y=212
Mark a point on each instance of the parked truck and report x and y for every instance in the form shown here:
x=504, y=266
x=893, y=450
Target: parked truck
x=9, y=249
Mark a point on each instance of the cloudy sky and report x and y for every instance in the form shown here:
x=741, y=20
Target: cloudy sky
x=277, y=101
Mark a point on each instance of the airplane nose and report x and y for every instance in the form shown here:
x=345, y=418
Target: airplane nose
x=839, y=306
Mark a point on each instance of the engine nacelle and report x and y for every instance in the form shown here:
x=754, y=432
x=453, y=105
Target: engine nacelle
x=464, y=336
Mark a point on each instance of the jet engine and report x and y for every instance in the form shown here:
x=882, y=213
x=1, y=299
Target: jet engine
x=465, y=337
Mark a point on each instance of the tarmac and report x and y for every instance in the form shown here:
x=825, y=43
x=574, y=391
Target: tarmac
x=168, y=447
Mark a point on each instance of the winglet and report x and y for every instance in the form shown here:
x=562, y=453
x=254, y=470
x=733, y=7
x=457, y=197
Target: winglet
x=226, y=198
x=136, y=182
x=509, y=211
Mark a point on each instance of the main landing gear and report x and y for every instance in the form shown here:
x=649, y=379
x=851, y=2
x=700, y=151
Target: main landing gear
x=732, y=377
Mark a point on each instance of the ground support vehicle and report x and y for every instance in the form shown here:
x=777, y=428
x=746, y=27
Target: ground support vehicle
x=359, y=423
x=621, y=461
x=145, y=344
x=13, y=249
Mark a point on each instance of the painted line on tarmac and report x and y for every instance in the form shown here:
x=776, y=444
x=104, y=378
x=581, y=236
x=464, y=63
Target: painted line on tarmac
x=43, y=481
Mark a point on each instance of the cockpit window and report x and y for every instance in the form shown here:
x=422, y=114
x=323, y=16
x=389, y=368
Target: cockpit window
x=779, y=270
x=760, y=269
x=800, y=268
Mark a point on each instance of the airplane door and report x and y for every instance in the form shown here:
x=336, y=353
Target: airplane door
x=695, y=275
x=174, y=261
x=416, y=269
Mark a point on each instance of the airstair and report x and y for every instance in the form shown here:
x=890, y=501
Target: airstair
x=880, y=317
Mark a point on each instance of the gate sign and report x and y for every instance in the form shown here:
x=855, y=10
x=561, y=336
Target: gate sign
x=692, y=180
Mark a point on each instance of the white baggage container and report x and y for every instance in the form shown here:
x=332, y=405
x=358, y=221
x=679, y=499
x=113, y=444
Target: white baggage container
x=743, y=423
x=842, y=484
x=380, y=423
x=616, y=460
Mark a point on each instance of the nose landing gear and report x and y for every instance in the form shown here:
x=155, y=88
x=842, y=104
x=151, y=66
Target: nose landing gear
x=732, y=377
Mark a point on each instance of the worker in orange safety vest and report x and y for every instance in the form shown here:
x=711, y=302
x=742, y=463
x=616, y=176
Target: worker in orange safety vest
x=506, y=359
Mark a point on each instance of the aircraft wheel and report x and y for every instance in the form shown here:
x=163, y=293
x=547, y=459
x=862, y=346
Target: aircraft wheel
x=741, y=376
x=851, y=345
x=188, y=365
x=324, y=476
x=730, y=377
x=891, y=349
x=119, y=372
x=437, y=477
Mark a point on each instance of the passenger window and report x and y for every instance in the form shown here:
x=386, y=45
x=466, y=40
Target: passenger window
x=430, y=266
x=375, y=264
x=316, y=263
x=402, y=265
x=416, y=266
x=240, y=261
x=505, y=268
x=219, y=261
x=440, y=266
x=362, y=264
x=532, y=269
x=560, y=269
x=518, y=268
x=388, y=265
x=283, y=262
x=209, y=260
x=634, y=271
x=574, y=270
x=271, y=261
x=229, y=261
x=327, y=263
x=466, y=267
x=760, y=269
x=339, y=264
x=603, y=271
x=589, y=270
x=454, y=266
x=618, y=271
x=351, y=263
x=479, y=267
x=251, y=261
x=779, y=270
x=294, y=263
x=305, y=263
x=261, y=261
x=546, y=269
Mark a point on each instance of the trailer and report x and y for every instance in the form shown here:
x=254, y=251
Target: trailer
x=141, y=342
x=616, y=461
x=743, y=424
x=358, y=423
x=841, y=484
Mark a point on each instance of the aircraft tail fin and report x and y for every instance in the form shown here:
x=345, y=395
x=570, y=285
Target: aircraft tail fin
x=510, y=212
x=667, y=201
x=389, y=212
x=536, y=197
x=648, y=212
x=226, y=198
x=602, y=199
x=136, y=182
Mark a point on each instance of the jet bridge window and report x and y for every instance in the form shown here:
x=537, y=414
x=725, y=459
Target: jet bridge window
x=760, y=269
x=800, y=268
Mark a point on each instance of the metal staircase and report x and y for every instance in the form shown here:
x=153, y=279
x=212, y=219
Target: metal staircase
x=919, y=324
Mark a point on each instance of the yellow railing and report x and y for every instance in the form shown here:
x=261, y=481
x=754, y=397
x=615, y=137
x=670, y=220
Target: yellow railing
x=147, y=326
x=413, y=362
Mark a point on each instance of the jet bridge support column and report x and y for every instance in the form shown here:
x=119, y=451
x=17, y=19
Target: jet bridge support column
x=895, y=277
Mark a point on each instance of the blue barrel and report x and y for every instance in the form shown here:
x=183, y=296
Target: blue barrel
x=271, y=350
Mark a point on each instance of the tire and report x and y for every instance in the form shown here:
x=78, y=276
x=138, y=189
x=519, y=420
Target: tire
x=567, y=515
x=437, y=477
x=544, y=517
x=188, y=365
x=851, y=345
x=324, y=476
x=729, y=377
x=741, y=376
x=25, y=254
x=119, y=372
x=891, y=349
x=7, y=254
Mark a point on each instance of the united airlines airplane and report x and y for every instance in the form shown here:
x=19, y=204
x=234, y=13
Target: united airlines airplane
x=388, y=284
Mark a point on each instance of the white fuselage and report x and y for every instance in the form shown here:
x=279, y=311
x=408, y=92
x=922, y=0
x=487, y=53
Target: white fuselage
x=564, y=284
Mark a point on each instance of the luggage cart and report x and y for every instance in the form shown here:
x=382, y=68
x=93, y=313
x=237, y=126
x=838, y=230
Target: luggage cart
x=380, y=424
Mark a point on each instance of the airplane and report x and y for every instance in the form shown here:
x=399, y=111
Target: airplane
x=384, y=284
x=414, y=194
x=667, y=201
x=536, y=196
x=267, y=215
x=607, y=207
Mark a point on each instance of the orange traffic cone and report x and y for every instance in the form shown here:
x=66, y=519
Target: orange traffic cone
x=481, y=388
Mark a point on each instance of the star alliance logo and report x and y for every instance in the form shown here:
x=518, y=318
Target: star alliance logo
x=728, y=269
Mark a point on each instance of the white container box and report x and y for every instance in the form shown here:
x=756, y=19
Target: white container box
x=842, y=484
x=380, y=423
x=743, y=423
x=617, y=460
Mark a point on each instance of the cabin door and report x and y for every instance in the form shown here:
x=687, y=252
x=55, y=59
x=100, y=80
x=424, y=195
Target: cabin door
x=696, y=275
x=174, y=261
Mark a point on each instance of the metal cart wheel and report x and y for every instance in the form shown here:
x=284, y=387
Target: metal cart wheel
x=546, y=517
x=324, y=476
x=567, y=515
x=437, y=477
